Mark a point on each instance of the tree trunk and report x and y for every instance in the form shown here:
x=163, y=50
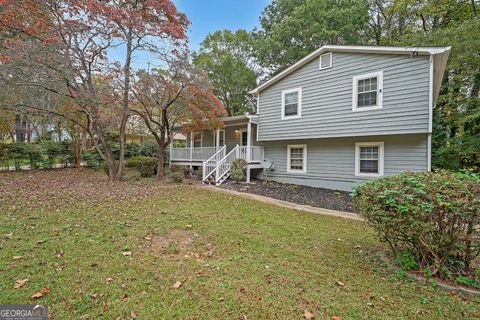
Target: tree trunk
x=20, y=127
x=161, y=162
x=126, y=109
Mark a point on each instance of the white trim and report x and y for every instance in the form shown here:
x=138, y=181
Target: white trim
x=299, y=103
x=201, y=139
x=381, y=158
x=429, y=152
x=258, y=103
x=379, y=76
x=304, y=164
x=354, y=49
x=216, y=137
x=430, y=97
x=320, y=61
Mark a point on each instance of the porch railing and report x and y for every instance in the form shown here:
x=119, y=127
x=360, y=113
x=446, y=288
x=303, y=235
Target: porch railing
x=256, y=153
x=193, y=154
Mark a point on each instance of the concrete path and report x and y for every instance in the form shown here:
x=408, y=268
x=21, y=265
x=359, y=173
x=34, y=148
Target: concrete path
x=285, y=204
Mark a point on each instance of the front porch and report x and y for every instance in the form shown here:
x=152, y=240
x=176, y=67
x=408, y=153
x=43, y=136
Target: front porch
x=214, y=150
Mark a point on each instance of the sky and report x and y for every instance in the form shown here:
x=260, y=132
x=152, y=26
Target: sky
x=206, y=16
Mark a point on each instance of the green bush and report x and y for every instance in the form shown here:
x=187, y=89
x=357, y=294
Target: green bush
x=237, y=169
x=92, y=158
x=429, y=220
x=176, y=177
x=147, y=166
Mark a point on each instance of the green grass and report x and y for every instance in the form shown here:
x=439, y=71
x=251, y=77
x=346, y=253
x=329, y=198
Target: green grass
x=233, y=256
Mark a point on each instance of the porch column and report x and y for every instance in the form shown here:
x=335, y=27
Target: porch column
x=249, y=151
x=191, y=148
x=217, y=139
x=171, y=151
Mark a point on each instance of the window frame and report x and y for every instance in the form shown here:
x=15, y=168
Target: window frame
x=381, y=158
x=201, y=139
x=379, y=105
x=320, y=61
x=299, y=103
x=304, y=163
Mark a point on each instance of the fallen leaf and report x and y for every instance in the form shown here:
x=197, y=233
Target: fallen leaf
x=45, y=290
x=93, y=295
x=127, y=253
x=341, y=284
x=17, y=257
x=189, y=226
x=40, y=241
x=9, y=235
x=335, y=318
x=37, y=295
x=109, y=280
x=177, y=284
x=308, y=315
x=133, y=315
x=19, y=283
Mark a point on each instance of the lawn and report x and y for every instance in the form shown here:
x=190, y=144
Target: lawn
x=107, y=252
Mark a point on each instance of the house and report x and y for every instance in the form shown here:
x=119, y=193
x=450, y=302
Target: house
x=339, y=116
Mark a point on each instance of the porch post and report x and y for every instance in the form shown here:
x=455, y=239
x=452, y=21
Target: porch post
x=249, y=151
x=191, y=148
x=171, y=151
x=217, y=138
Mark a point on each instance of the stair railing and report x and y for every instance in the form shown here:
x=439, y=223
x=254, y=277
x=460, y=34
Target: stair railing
x=210, y=165
x=223, y=166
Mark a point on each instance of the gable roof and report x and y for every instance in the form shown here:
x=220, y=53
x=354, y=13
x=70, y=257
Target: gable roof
x=440, y=56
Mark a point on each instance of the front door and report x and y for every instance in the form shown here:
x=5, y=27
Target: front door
x=243, y=138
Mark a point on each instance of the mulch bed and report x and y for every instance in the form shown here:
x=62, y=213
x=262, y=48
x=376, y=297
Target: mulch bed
x=315, y=197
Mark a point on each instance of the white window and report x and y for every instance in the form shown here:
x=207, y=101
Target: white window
x=326, y=61
x=369, y=159
x=368, y=92
x=197, y=139
x=297, y=158
x=292, y=103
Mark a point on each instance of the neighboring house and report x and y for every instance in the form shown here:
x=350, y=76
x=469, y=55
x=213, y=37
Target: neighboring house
x=339, y=116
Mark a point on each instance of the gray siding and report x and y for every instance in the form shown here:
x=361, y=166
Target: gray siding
x=327, y=99
x=331, y=162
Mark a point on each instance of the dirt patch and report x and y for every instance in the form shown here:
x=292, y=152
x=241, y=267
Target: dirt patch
x=179, y=244
x=315, y=197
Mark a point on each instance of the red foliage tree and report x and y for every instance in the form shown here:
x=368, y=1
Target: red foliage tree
x=65, y=44
x=178, y=96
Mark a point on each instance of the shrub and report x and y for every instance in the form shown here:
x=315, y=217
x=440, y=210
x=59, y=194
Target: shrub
x=429, y=220
x=92, y=158
x=147, y=166
x=237, y=169
x=176, y=177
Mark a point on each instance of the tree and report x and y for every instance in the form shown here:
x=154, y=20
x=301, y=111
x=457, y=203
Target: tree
x=175, y=96
x=72, y=40
x=291, y=29
x=226, y=56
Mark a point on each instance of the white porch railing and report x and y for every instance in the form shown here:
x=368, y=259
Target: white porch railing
x=256, y=153
x=210, y=165
x=193, y=154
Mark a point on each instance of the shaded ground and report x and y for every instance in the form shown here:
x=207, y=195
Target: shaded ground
x=316, y=197
x=144, y=250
